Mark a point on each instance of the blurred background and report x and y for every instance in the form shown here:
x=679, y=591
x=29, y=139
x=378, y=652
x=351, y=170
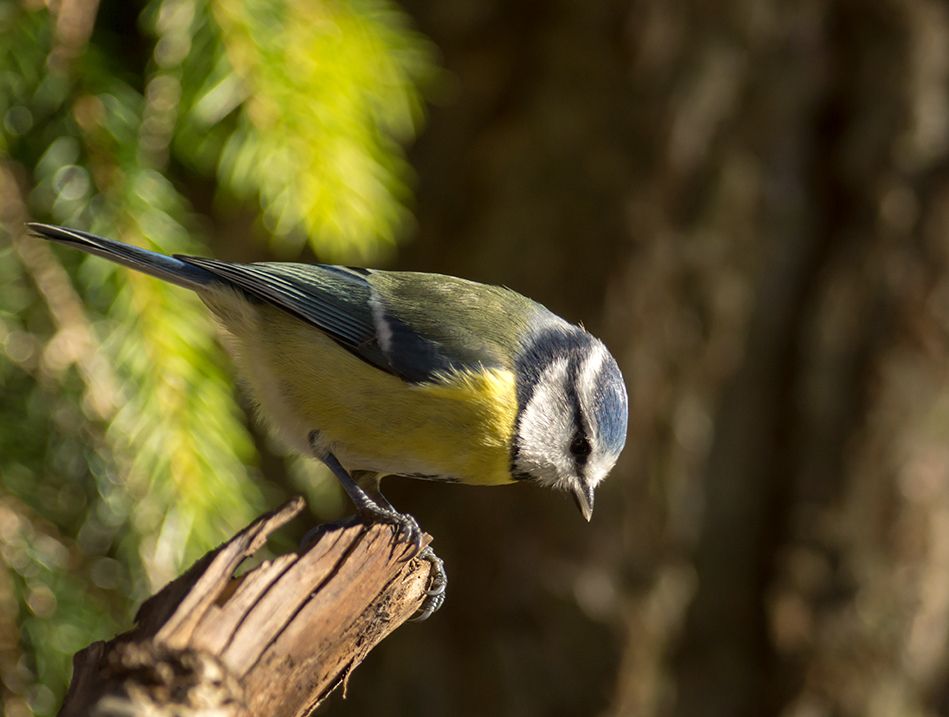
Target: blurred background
x=748, y=200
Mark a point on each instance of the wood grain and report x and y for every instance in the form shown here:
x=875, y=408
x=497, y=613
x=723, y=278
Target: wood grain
x=274, y=641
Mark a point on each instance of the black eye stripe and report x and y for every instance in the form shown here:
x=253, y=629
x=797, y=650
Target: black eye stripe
x=580, y=447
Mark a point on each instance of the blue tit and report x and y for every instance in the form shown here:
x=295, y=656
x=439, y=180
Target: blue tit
x=422, y=375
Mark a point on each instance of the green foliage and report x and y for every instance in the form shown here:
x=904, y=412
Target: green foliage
x=123, y=451
x=324, y=91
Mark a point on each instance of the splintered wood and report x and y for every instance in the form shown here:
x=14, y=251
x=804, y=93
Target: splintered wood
x=274, y=642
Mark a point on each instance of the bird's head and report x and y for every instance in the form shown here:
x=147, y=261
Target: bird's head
x=572, y=411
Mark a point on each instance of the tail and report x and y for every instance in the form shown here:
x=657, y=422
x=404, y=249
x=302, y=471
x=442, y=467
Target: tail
x=149, y=262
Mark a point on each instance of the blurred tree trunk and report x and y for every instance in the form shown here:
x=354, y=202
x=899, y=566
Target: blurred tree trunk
x=749, y=201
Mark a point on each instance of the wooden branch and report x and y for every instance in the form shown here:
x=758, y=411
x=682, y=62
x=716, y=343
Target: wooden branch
x=274, y=642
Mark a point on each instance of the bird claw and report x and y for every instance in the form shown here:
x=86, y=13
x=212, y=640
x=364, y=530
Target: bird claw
x=438, y=582
x=313, y=535
x=406, y=528
x=409, y=527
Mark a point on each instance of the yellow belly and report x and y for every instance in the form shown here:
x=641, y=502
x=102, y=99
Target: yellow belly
x=458, y=430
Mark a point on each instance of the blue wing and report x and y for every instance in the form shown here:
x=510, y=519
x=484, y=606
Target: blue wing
x=336, y=300
x=412, y=325
x=419, y=327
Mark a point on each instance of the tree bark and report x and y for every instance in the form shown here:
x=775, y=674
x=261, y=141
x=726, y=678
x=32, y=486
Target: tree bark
x=274, y=641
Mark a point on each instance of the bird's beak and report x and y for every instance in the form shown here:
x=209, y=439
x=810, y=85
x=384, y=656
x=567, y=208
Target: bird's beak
x=583, y=497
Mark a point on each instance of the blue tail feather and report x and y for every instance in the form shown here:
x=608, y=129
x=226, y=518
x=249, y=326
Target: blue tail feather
x=163, y=267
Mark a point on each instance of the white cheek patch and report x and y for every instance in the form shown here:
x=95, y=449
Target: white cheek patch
x=546, y=426
x=598, y=467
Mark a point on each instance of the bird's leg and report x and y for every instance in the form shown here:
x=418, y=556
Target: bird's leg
x=372, y=505
x=372, y=509
x=438, y=578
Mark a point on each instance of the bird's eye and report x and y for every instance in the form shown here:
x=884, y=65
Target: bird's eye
x=580, y=446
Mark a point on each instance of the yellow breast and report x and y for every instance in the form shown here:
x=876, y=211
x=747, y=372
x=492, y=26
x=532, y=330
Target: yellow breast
x=458, y=429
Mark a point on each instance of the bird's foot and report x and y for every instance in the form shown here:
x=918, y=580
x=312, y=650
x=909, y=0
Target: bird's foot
x=372, y=507
x=437, y=581
x=313, y=535
x=406, y=526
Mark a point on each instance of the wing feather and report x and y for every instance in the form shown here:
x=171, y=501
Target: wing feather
x=333, y=299
x=419, y=327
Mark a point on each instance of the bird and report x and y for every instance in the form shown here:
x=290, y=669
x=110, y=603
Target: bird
x=429, y=376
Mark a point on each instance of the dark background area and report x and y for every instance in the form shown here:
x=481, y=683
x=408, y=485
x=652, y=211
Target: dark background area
x=748, y=201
